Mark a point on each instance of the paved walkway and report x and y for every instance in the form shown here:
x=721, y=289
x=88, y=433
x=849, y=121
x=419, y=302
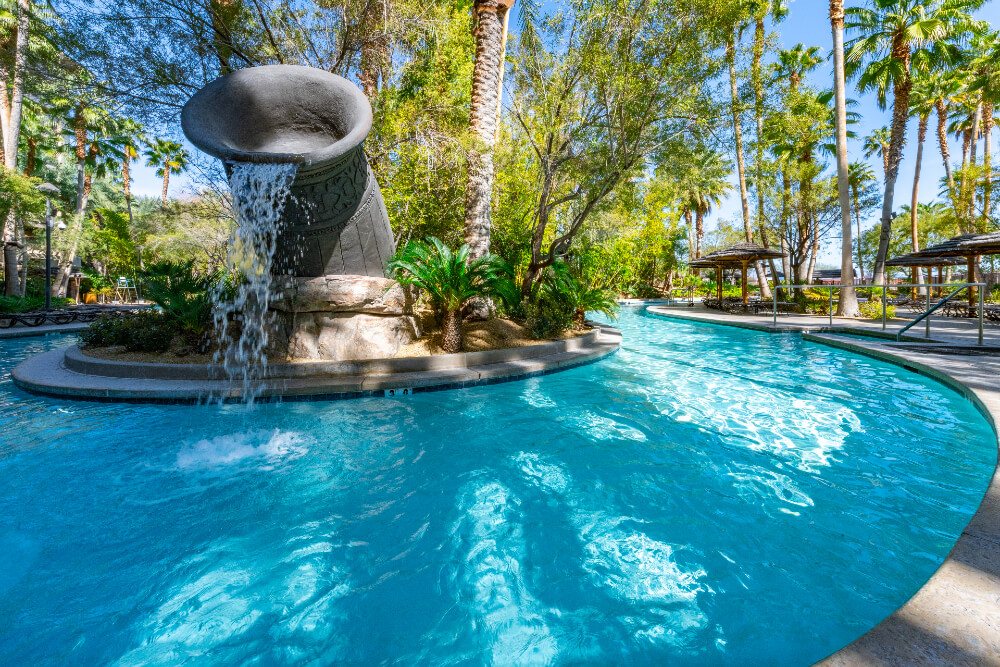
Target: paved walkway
x=954, y=330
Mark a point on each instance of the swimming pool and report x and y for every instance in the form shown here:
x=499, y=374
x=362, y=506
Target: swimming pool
x=707, y=495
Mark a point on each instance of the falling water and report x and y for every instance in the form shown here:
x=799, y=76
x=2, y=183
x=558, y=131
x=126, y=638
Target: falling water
x=242, y=319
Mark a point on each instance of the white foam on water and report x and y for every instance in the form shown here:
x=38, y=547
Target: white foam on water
x=260, y=193
x=224, y=450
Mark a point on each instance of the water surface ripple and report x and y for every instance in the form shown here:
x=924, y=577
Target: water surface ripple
x=705, y=496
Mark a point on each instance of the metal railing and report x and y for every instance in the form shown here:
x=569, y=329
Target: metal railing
x=885, y=289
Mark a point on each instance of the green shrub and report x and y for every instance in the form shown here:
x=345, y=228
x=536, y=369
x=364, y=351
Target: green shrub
x=872, y=309
x=142, y=331
x=185, y=298
x=548, y=317
x=14, y=304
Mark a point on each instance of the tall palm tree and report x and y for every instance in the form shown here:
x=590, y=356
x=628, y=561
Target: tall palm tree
x=169, y=157
x=986, y=82
x=777, y=10
x=707, y=184
x=847, y=305
x=922, y=104
x=731, y=46
x=877, y=143
x=894, y=36
x=859, y=175
x=939, y=88
x=491, y=36
x=794, y=63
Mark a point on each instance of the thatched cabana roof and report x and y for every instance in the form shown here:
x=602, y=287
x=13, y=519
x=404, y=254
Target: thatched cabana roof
x=967, y=245
x=912, y=259
x=739, y=253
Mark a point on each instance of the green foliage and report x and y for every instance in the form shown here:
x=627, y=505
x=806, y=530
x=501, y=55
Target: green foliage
x=19, y=193
x=561, y=301
x=111, y=240
x=872, y=309
x=143, y=331
x=451, y=279
x=183, y=294
x=15, y=304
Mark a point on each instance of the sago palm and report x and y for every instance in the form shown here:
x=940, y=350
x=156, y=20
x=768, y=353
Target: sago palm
x=451, y=279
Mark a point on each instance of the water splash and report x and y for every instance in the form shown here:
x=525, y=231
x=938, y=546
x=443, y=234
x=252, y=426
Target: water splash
x=242, y=319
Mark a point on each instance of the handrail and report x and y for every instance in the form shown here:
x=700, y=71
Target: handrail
x=930, y=311
x=885, y=289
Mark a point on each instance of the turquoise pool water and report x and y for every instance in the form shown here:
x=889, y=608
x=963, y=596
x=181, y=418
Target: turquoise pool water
x=705, y=496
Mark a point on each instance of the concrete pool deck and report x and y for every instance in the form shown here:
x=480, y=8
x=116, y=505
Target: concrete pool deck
x=954, y=619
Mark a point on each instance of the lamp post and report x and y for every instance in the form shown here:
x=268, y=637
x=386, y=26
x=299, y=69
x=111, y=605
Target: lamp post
x=48, y=190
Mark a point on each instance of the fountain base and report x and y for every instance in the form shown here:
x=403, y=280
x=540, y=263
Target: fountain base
x=338, y=318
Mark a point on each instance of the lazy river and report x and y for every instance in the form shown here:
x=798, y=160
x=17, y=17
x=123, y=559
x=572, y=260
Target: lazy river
x=706, y=495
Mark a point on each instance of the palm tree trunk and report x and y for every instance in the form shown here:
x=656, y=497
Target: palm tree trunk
x=765, y=291
x=699, y=230
x=987, y=162
x=451, y=341
x=847, y=304
x=80, y=133
x=482, y=124
x=914, y=199
x=166, y=182
x=857, y=217
x=127, y=185
x=691, y=235
x=900, y=114
x=786, y=196
x=942, y=132
x=11, y=138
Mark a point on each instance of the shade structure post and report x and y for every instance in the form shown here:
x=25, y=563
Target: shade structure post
x=718, y=283
x=971, y=278
x=744, y=281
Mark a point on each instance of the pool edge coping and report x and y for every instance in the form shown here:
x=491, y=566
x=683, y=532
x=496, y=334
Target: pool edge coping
x=49, y=374
x=924, y=629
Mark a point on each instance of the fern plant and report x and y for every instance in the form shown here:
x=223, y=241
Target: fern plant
x=451, y=279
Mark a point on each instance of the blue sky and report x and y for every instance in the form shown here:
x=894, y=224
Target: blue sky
x=807, y=22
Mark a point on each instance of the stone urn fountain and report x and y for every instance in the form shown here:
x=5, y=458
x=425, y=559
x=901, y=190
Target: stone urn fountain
x=331, y=294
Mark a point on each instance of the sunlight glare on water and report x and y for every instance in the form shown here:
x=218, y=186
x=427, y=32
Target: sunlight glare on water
x=705, y=496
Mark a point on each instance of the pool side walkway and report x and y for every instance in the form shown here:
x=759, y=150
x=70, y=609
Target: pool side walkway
x=954, y=619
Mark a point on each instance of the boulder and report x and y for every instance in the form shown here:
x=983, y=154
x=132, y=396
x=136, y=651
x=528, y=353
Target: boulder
x=343, y=294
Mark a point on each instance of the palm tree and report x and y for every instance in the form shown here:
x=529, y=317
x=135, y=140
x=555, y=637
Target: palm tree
x=847, y=305
x=859, y=175
x=877, y=143
x=491, y=17
x=707, y=183
x=895, y=35
x=452, y=279
x=986, y=81
x=777, y=10
x=731, y=44
x=922, y=103
x=793, y=64
x=169, y=157
x=939, y=88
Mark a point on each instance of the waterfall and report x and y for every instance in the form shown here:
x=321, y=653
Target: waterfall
x=242, y=319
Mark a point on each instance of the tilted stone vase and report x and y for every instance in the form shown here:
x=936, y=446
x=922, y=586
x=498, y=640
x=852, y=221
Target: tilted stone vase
x=335, y=221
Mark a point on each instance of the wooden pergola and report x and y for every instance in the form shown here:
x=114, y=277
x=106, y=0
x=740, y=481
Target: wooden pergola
x=968, y=246
x=739, y=255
